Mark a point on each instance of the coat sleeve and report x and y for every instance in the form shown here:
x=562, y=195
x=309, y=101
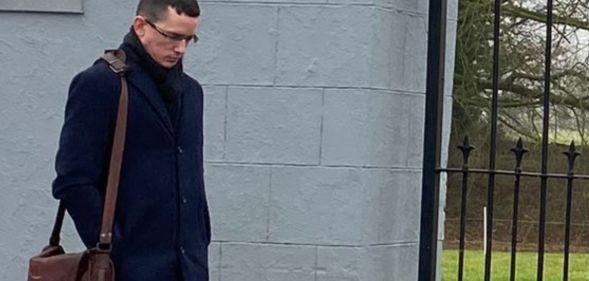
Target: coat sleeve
x=84, y=148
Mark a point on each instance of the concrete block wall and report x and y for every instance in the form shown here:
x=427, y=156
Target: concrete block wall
x=314, y=137
x=314, y=119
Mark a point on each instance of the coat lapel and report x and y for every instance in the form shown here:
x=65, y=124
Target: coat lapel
x=147, y=87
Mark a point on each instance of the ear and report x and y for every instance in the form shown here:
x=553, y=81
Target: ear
x=139, y=26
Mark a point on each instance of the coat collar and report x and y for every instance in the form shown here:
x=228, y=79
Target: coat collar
x=139, y=78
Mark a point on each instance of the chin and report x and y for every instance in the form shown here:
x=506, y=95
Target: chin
x=167, y=64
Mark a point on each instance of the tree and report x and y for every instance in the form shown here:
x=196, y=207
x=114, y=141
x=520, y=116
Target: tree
x=522, y=69
x=521, y=87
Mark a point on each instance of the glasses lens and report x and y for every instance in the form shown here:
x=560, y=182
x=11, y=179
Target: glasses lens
x=174, y=37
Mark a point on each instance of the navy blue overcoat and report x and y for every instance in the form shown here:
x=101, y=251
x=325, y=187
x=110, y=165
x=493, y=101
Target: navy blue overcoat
x=162, y=228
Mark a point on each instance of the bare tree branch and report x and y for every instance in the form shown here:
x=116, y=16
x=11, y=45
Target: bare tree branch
x=513, y=11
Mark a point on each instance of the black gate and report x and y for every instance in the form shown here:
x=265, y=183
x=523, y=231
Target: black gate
x=432, y=150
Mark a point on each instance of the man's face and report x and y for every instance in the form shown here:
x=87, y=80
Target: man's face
x=166, y=40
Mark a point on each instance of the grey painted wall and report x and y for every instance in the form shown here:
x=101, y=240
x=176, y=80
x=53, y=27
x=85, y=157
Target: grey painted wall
x=314, y=121
x=68, y=6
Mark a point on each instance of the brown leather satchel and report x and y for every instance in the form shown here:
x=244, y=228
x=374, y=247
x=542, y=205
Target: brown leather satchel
x=53, y=264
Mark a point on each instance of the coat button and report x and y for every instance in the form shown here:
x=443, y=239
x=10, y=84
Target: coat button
x=184, y=200
x=180, y=149
x=182, y=250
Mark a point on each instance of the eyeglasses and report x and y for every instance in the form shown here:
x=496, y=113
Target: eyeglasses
x=174, y=36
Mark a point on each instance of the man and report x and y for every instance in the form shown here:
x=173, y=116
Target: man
x=161, y=228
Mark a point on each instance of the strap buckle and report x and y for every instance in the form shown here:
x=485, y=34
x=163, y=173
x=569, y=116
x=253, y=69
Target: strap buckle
x=116, y=61
x=106, y=247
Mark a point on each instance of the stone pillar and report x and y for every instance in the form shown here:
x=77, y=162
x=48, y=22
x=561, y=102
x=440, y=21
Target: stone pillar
x=315, y=115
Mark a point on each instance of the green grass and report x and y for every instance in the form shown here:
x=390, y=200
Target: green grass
x=526, y=266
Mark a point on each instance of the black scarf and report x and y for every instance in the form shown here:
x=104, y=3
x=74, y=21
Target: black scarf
x=167, y=80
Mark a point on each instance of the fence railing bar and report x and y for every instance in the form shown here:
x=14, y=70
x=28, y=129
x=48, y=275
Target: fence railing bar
x=512, y=173
x=571, y=154
x=545, y=127
x=519, y=152
x=519, y=221
x=493, y=145
x=466, y=148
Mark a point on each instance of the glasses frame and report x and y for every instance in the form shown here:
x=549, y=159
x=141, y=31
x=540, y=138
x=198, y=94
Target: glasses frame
x=173, y=36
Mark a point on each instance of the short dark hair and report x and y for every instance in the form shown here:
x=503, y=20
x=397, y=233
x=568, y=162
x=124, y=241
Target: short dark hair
x=155, y=10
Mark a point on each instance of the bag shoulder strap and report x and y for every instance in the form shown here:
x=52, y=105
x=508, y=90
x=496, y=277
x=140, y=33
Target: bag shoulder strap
x=54, y=239
x=116, y=62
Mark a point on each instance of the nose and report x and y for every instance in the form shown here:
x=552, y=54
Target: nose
x=180, y=48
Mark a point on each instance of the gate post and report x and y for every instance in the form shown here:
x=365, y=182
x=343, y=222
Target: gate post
x=436, y=51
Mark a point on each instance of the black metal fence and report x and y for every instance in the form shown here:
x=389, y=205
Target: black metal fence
x=517, y=173
x=432, y=149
